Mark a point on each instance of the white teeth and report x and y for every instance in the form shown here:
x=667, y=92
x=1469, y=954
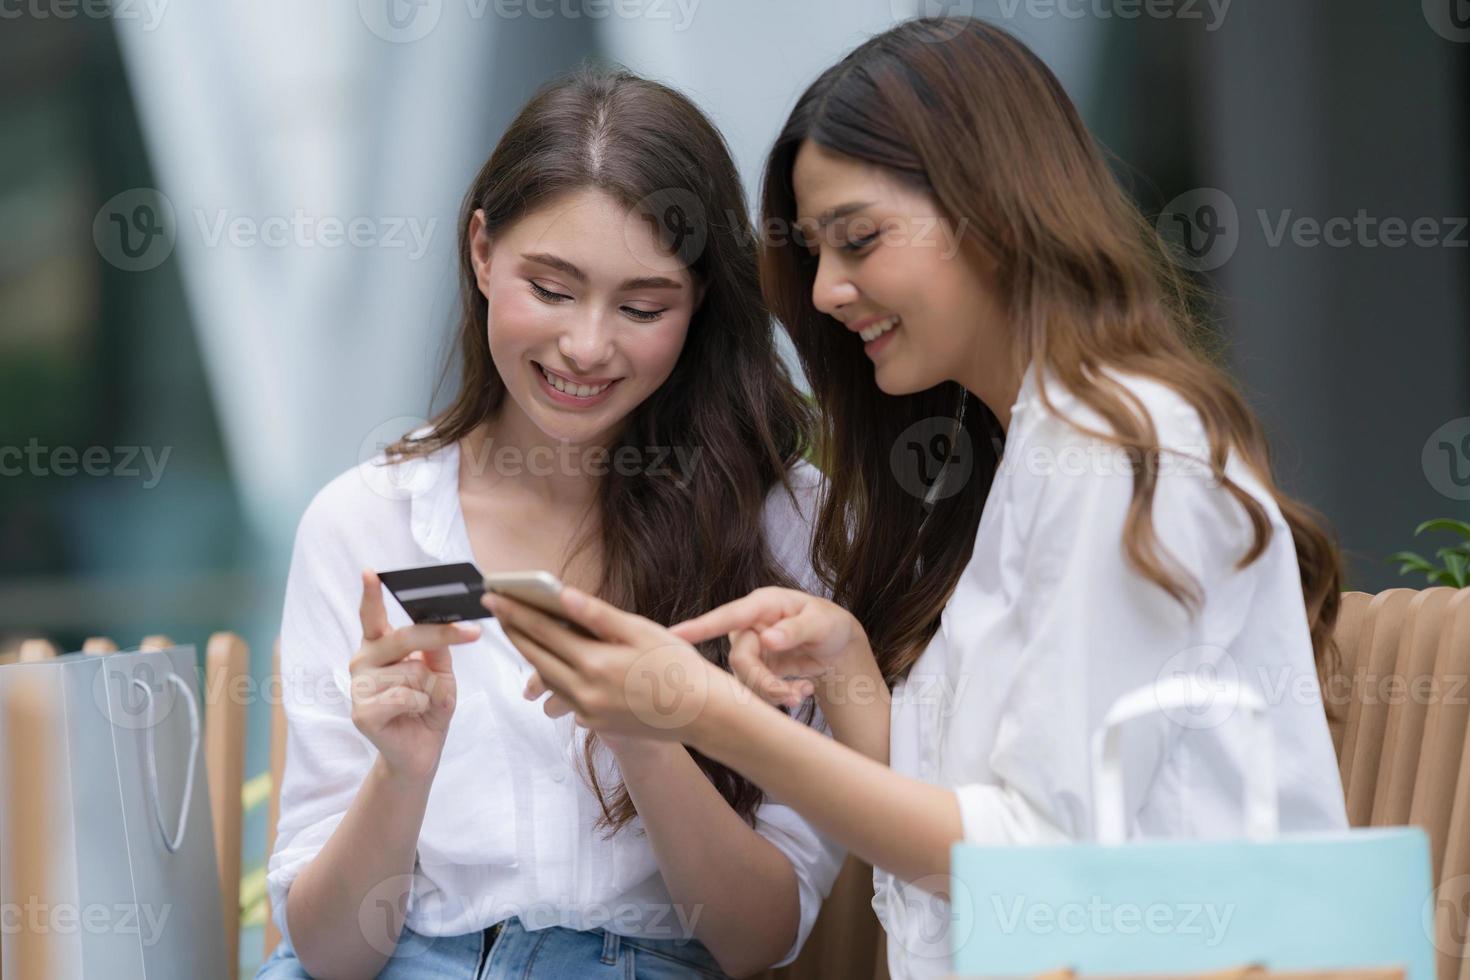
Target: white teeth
x=878, y=329
x=575, y=390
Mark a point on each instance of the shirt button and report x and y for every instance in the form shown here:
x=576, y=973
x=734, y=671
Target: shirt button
x=560, y=777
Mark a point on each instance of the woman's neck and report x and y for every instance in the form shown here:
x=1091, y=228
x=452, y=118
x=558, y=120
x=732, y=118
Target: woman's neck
x=996, y=382
x=510, y=451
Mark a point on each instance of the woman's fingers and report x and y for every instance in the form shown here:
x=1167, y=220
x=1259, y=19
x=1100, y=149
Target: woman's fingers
x=747, y=664
x=554, y=672
x=545, y=630
x=376, y=710
x=761, y=606
x=813, y=626
x=374, y=617
x=608, y=621
x=535, y=687
x=556, y=706
x=397, y=644
x=405, y=673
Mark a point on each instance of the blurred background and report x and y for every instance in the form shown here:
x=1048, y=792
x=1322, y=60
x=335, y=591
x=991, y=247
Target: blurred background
x=227, y=256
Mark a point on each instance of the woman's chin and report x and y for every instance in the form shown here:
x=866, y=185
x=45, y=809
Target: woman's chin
x=891, y=379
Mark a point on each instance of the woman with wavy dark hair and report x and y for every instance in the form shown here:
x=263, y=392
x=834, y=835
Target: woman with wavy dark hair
x=1041, y=497
x=623, y=420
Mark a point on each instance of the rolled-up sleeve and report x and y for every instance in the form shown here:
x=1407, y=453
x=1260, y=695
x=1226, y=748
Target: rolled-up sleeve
x=327, y=758
x=814, y=858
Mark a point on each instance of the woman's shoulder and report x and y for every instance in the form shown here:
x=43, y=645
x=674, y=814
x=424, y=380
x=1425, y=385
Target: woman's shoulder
x=377, y=493
x=1062, y=438
x=1177, y=423
x=790, y=512
x=794, y=504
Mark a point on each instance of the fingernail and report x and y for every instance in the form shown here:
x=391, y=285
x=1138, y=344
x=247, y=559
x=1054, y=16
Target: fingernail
x=573, y=599
x=775, y=635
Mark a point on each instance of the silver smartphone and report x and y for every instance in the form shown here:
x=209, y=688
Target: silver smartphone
x=541, y=590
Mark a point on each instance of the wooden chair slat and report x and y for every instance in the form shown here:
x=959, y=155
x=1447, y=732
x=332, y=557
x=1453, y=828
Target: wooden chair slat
x=36, y=650
x=226, y=666
x=1355, y=659
x=1435, y=782
x=1352, y=620
x=1368, y=714
x=278, y=772
x=1452, y=910
x=1409, y=693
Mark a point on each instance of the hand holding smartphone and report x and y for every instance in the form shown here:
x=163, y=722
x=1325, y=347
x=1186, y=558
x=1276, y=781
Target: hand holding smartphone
x=541, y=590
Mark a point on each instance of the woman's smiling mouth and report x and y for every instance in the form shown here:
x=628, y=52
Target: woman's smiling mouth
x=563, y=390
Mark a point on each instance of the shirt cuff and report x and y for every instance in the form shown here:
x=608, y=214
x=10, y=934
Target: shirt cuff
x=289, y=861
x=993, y=815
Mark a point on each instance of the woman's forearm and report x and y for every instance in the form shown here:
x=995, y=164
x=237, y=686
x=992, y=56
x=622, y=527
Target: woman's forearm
x=738, y=889
x=856, y=702
x=346, y=908
x=846, y=795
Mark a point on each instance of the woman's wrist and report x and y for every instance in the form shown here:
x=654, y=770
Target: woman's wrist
x=728, y=705
x=854, y=667
x=400, y=780
x=636, y=753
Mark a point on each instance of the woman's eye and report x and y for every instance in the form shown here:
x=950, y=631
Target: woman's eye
x=857, y=245
x=543, y=293
x=643, y=316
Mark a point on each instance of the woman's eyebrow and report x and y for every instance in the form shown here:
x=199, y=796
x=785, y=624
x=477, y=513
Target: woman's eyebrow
x=641, y=282
x=840, y=211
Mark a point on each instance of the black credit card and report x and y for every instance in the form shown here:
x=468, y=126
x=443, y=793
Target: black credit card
x=439, y=593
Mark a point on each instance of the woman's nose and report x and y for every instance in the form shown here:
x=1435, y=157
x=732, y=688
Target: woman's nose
x=587, y=344
x=832, y=289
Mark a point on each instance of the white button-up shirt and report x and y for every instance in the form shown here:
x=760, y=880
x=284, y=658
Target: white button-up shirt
x=510, y=825
x=1049, y=625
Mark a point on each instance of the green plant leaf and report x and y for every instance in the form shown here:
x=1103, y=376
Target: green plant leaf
x=1458, y=568
x=1411, y=562
x=1444, y=524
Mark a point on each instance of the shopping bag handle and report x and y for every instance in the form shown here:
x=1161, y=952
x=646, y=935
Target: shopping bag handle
x=176, y=841
x=1209, y=705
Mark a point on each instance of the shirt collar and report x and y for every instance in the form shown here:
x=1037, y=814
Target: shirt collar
x=432, y=486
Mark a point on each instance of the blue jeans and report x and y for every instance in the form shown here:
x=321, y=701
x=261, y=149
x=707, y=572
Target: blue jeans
x=508, y=951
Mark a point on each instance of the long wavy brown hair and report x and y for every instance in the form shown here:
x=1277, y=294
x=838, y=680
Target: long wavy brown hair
x=669, y=552
x=963, y=111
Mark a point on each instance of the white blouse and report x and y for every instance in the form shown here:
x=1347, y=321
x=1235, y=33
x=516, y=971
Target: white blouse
x=509, y=827
x=1049, y=625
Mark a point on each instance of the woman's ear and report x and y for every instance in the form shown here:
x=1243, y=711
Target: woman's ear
x=700, y=288
x=479, y=243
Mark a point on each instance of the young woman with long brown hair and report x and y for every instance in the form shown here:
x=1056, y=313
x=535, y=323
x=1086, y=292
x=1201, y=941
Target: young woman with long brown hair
x=966, y=279
x=624, y=420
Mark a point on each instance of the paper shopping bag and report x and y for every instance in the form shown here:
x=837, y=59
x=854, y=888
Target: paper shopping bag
x=107, y=852
x=1338, y=901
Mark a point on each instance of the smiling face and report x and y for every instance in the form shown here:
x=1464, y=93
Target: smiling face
x=587, y=313
x=891, y=271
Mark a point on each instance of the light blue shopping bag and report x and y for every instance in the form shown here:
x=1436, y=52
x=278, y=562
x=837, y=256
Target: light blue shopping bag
x=1300, y=902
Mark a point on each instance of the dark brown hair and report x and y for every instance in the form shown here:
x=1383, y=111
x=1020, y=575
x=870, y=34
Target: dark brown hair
x=669, y=552
x=966, y=113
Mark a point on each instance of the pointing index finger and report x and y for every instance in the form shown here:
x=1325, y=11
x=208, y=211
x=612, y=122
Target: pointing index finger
x=754, y=610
